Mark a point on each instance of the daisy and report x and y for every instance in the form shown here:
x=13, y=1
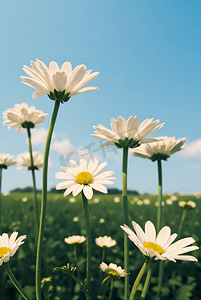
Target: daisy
x=187, y=205
x=58, y=84
x=8, y=246
x=127, y=133
x=22, y=116
x=6, y=160
x=75, y=239
x=112, y=270
x=105, y=241
x=24, y=161
x=146, y=201
x=159, y=247
x=84, y=178
x=160, y=150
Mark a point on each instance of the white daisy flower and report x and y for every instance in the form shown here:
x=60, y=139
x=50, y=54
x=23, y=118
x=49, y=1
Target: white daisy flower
x=76, y=219
x=159, y=247
x=6, y=160
x=8, y=246
x=58, y=84
x=84, y=178
x=169, y=201
x=161, y=149
x=112, y=269
x=116, y=199
x=24, y=199
x=24, y=161
x=105, y=241
x=23, y=116
x=146, y=201
x=187, y=205
x=96, y=200
x=72, y=200
x=127, y=133
x=75, y=239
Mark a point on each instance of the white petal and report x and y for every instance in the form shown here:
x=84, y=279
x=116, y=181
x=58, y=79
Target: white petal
x=100, y=168
x=99, y=187
x=67, y=68
x=170, y=240
x=103, y=181
x=180, y=244
x=77, y=190
x=84, y=81
x=132, y=126
x=140, y=233
x=53, y=67
x=186, y=257
x=70, y=189
x=72, y=163
x=35, y=84
x=88, y=192
x=76, y=76
x=59, y=81
x=38, y=93
x=163, y=236
x=150, y=232
x=64, y=185
x=85, y=90
x=92, y=165
x=13, y=238
x=121, y=126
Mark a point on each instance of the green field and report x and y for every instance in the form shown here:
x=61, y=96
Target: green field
x=65, y=217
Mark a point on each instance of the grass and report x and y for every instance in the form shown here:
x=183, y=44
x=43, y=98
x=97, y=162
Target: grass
x=65, y=217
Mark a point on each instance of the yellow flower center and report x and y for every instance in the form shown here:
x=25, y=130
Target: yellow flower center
x=84, y=178
x=4, y=250
x=112, y=272
x=153, y=246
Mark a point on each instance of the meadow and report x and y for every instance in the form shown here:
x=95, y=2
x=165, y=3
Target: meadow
x=65, y=217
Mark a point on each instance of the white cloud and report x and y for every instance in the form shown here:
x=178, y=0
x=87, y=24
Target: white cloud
x=63, y=147
x=192, y=150
x=39, y=136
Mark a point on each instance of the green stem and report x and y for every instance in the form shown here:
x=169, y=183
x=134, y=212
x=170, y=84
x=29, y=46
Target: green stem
x=76, y=261
x=111, y=288
x=105, y=288
x=137, y=281
x=103, y=254
x=160, y=280
x=46, y=297
x=88, y=241
x=81, y=286
x=126, y=220
x=44, y=200
x=159, y=217
x=15, y=282
x=147, y=281
x=181, y=222
x=75, y=254
x=160, y=195
x=0, y=196
x=36, y=214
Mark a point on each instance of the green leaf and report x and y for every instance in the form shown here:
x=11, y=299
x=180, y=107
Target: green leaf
x=184, y=292
x=65, y=269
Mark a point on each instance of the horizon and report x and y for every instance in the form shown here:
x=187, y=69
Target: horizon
x=148, y=56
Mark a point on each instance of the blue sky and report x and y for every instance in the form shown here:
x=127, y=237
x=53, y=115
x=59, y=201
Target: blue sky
x=148, y=54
